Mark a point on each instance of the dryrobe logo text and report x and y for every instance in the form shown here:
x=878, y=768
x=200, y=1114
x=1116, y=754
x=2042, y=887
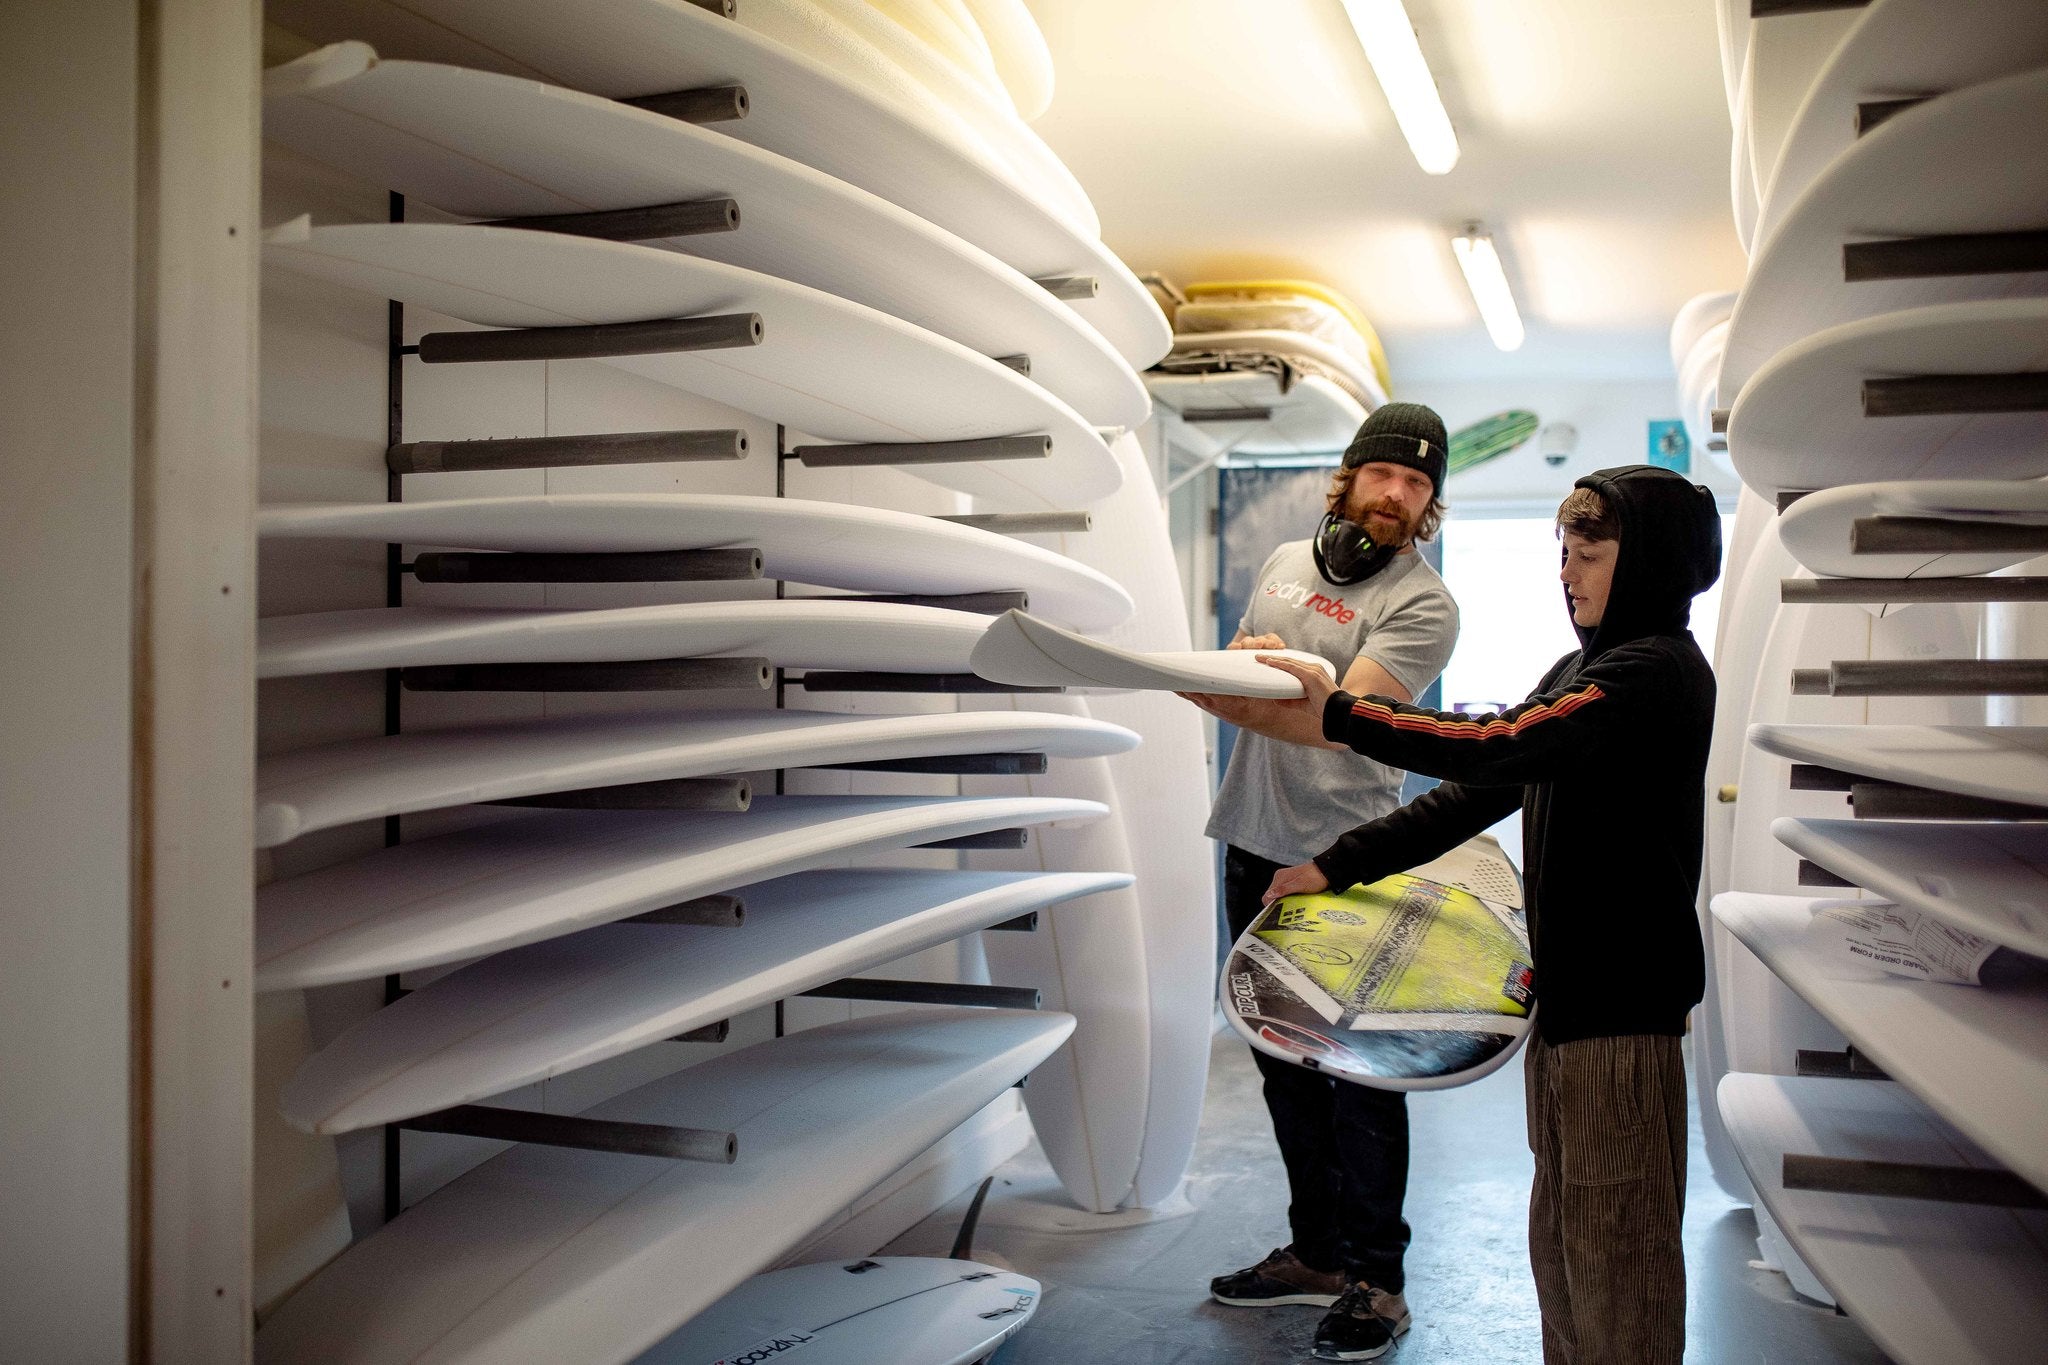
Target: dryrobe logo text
x=769, y=1349
x=1298, y=595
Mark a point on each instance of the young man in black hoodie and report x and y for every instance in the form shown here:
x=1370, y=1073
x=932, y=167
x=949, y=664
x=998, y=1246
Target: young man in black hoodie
x=1606, y=761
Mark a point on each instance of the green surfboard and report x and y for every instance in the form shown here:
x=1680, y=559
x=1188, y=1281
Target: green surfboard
x=1494, y=436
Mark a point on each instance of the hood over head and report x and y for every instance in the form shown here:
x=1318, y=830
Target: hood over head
x=1670, y=552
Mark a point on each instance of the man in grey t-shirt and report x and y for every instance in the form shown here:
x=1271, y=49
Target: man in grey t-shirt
x=1359, y=595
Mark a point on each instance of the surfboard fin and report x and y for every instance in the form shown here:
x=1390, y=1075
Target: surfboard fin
x=963, y=1245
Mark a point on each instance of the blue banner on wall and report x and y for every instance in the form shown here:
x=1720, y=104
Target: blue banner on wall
x=1670, y=447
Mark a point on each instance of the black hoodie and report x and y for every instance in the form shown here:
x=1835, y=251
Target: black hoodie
x=1606, y=760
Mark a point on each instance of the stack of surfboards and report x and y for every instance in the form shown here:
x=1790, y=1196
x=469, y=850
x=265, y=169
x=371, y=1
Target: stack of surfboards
x=1699, y=338
x=1269, y=367
x=1882, y=368
x=919, y=268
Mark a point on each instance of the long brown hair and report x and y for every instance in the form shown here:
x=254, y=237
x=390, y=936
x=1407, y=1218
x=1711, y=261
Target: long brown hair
x=1340, y=489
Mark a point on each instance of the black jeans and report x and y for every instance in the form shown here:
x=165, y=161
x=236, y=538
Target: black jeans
x=1345, y=1145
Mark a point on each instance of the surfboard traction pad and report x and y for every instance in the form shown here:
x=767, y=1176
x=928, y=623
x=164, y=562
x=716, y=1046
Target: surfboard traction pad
x=1403, y=984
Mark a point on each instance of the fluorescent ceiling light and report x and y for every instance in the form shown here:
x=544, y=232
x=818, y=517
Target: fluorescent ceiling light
x=1489, y=286
x=1389, y=42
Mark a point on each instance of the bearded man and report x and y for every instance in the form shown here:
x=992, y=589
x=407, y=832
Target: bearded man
x=1358, y=594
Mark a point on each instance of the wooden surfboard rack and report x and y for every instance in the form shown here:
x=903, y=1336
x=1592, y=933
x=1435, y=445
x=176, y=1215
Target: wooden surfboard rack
x=676, y=793
x=623, y=566
x=625, y=675
x=556, y=452
x=590, y=1135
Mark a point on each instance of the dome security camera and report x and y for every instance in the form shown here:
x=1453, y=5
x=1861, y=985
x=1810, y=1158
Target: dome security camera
x=1557, y=442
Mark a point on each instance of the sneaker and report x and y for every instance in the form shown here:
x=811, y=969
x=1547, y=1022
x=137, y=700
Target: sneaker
x=1279, y=1279
x=1361, y=1325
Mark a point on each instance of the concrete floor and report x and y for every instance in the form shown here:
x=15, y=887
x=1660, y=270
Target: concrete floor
x=1132, y=1290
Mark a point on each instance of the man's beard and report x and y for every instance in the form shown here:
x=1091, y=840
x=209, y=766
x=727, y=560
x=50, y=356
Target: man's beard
x=1377, y=527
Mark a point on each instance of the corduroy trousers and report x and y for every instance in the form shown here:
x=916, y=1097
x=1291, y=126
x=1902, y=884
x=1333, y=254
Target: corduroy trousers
x=1607, y=1126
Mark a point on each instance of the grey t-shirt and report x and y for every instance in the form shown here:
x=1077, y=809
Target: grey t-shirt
x=1289, y=802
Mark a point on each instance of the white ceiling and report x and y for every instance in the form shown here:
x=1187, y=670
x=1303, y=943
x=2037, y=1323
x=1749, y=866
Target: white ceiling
x=1236, y=138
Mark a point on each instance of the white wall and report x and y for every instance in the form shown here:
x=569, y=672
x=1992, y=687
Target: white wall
x=67, y=428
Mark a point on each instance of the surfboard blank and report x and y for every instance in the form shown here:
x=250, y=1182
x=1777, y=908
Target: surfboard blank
x=880, y=1310
x=834, y=545
x=799, y=108
x=1024, y=651
x=522, y=1016
x=792, y=633
x=543, y=1255
x=1313, y=417
x=825, y=366
x=2001, y=763
x=1800, y=421
x=1960, y=163
x=1986, y=879
x=1816, y=530
x=484, y=145
x=535, y=875
x=364, y=779
x=1929, y=1281
x=1898, y=49
x=1977, y=1054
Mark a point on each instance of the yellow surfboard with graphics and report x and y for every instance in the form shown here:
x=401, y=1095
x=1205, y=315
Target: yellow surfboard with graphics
x=1418, y=981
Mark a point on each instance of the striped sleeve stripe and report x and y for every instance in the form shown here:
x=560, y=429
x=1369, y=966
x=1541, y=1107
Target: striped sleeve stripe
x=1473, y=729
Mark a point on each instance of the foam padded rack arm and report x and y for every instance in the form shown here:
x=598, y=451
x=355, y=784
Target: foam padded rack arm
x=1924, y=678
x=627, y=675
x=1981, y=589
x=928, y=993
x=860, y=454
x=551, y=452
x=1910, y=1180
x=690, y=218
x=592, y=1135
x=611, y=566
x=717, y=332
x=1937, y=535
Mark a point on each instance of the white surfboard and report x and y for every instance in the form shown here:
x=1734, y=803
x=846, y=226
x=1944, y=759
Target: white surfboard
x=485, y=145
x=1901, y=49
x=1162, y=788
x=1088, y=1104
x=1700, y=313
x=792, y=632
x=799, y=108
x=1962, y=163
x=1742, y=186
x=879, y=1310
x=1311, y=417
x=825, y=366
x=1817, y=529
x=1799, y=423
x=1988, y=879
x=849, y=36
x=1021, y=55
x=950, y=29
x=1022, y=650
x=834, y=545
x=2002, y=762
x=1928, y=1280
x=1314, y=355
x=1785, y=53
x=365, y=779
x=2024, y=501
x=522, y=1016
x=1977, y=1054
x=545, y=1254
x=536, y=875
